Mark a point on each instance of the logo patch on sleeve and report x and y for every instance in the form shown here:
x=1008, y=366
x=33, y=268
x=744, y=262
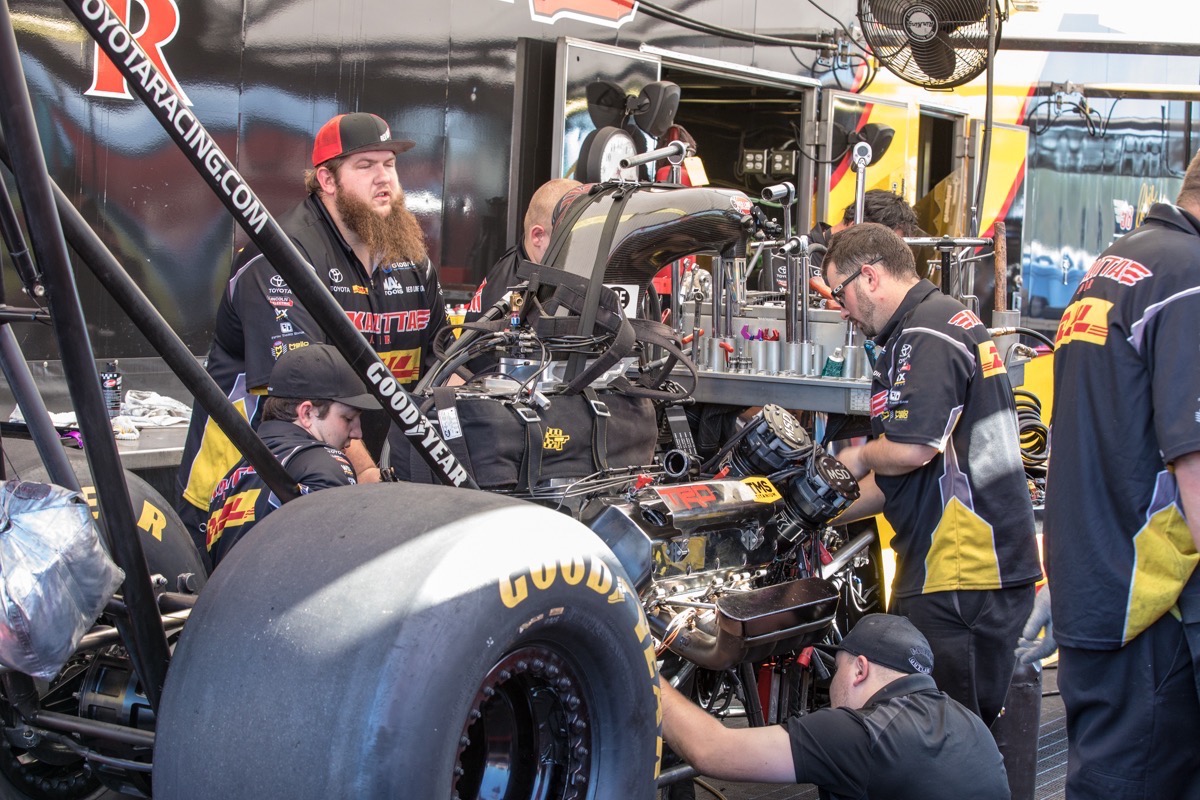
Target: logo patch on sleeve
x=878, y=403
x=989, y=359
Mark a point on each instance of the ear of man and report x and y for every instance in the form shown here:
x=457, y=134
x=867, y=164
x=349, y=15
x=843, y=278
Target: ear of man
x=306, y=414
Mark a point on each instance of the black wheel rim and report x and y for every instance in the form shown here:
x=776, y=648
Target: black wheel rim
x=45, y=771
x=42, y=780
x=528, y=733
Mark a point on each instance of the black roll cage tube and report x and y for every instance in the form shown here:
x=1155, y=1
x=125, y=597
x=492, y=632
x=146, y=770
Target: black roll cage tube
x=142, y=631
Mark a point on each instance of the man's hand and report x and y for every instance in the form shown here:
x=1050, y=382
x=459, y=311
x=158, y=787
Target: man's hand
x=365, y=469
x=1031, y=647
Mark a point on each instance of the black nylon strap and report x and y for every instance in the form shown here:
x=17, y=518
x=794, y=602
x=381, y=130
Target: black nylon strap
x=531, y=458
x=445, y=399
x=563, y=227
x=600, y=417
x=621, y=347
x=591, y=302
x=661, y=335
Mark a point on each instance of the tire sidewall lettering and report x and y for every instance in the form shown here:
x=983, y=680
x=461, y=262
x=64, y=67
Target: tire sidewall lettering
x=590, y=571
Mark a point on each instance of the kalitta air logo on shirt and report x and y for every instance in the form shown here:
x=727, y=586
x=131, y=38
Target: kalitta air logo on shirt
x=965, y=320
x=391, y=321
x=1122, y=270
x=989, y=359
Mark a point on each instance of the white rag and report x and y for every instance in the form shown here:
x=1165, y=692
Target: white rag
x=140, y=410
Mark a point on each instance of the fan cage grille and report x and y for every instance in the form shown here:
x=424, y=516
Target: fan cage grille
x=938, y=44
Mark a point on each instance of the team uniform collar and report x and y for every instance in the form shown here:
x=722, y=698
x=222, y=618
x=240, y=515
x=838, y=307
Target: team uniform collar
x=319, y=208
x=909, y=684
x=916, y=295
x=1174, y=216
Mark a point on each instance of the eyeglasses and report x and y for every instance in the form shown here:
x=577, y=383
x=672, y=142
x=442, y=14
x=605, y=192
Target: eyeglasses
x=838, y=292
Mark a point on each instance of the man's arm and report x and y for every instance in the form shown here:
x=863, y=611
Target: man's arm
x=365, y=468
x=1187, y=475
x=868, y=504
x=885, y=457
x=738, y=754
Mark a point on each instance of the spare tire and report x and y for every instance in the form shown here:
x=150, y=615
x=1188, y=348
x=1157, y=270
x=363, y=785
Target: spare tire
x=398, y=640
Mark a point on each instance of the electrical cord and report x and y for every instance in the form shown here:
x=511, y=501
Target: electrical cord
x=1091, y=118
x=708, y=787
x=667, y=15
x=816, y=160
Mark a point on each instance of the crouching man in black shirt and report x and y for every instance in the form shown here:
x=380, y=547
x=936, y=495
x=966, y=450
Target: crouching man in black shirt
x=314, y=401
x=889, y=733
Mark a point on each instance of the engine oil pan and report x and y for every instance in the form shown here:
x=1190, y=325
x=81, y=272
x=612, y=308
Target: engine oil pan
x=757, y=624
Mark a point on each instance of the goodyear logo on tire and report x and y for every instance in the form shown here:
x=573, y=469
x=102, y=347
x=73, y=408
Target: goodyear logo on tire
x=589, y=571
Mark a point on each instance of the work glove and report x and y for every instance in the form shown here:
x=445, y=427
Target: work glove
x=1031, y=647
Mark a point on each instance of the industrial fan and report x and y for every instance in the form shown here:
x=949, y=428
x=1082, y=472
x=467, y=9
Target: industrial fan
x=938, y=44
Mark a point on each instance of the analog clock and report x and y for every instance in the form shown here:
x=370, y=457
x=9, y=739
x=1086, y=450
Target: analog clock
x=601, y=153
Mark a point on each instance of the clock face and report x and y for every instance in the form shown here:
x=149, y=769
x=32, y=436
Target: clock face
x=615, y=147
x=601, y=154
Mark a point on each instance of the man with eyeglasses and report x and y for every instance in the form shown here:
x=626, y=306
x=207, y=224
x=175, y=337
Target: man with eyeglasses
x=879, y=205
x=943, y=465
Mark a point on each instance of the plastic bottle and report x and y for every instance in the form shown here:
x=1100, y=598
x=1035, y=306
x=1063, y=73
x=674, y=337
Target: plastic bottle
x=110, y=387
x=833, y=364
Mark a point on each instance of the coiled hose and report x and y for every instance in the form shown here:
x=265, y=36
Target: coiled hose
x=1034, y=434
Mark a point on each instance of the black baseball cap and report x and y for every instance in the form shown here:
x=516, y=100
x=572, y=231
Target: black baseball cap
x=355, y=133
x=890, y=641
x=318, y=372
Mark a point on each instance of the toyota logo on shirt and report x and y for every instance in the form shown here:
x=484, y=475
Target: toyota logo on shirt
x=277, y=281
x=335, y=275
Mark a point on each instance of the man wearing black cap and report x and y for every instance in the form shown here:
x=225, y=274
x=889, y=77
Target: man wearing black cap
x=368, y=250
x=879, y=205
x=889, y=733
x=311, y=414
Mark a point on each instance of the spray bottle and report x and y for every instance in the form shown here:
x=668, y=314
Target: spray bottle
x=110, y=387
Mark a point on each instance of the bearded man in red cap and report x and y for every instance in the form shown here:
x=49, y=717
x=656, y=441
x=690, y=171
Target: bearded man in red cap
x=369, y=251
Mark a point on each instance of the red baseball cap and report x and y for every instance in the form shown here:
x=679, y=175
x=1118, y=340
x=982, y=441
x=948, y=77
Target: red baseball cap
x=355, y=133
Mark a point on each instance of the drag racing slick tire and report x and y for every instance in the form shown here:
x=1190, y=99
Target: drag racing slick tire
x=398, y=640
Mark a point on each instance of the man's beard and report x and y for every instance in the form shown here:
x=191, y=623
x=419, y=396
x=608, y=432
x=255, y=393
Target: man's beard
x=866, y=321
x=392, y=238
